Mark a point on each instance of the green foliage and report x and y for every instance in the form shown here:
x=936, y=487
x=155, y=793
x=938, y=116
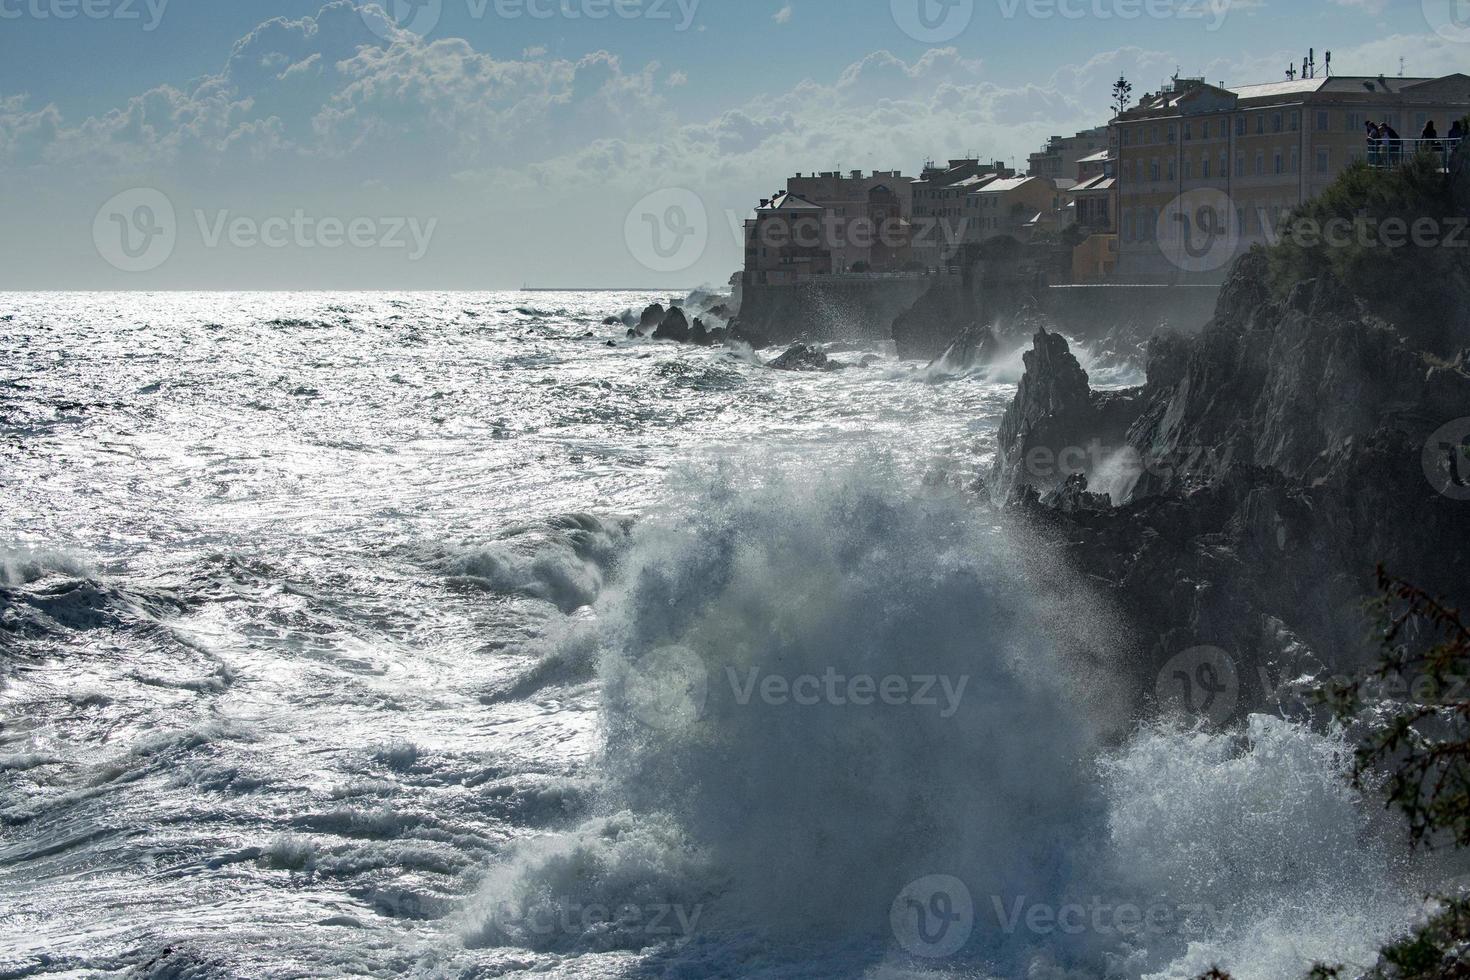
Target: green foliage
x=1421, y=733
x=1360, y=232
x=1436, y=951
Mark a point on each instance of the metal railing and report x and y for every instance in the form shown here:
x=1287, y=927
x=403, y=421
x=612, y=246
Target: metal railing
x=1387, y=154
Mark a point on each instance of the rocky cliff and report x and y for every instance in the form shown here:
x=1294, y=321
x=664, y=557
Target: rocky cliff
x=1269, y=466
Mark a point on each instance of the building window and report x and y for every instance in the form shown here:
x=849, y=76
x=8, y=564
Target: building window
x=1353, y=121
x=1240, y=125
x=1204, y=168
x=1276, y=122
x=1240, y=221
x=1189, y=130
x=1322, y=123
x=1260, y=123
x=1188, y=169
x=1260, y=163
x=1240, y=164
x=1295, y=161
x=1276, y=163
x=1171, y=169
x=1224, y=165
x=1296, y=120
x=1321, y=161
x=1171, y=134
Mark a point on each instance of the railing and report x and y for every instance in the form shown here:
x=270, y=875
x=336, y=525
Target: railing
x=1387, y=154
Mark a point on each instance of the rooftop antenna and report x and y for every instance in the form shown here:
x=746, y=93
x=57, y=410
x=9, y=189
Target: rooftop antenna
x=1401, y=67
x=1329, y=64
x=1291, y=73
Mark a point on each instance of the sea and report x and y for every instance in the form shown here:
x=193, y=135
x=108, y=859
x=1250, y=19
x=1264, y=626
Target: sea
x=460, y=635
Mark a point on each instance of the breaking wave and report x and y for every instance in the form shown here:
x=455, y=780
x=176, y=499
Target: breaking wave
x=783, y=828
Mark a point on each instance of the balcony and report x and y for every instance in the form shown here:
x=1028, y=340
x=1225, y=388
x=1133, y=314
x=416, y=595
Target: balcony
x=1388, y=155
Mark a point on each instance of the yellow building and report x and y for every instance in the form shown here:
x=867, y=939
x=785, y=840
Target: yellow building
x=1205, y=171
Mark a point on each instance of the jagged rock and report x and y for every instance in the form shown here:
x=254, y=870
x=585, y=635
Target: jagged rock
x=651, y=318
x=612, y=321
x=974, y=347
x=1282, y=461
x=1072, y=497
x=936, y=319
x=801, y=357
x=1056, y=425
x=698, y=334
x=674, y=326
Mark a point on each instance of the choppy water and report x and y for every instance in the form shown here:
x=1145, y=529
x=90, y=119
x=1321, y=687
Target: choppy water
x=349, y=635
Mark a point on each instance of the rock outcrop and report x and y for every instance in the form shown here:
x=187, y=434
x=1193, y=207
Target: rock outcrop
x=651, y=318
x=1276, y=460
x=802, y=357
x=1057, y=426
x=674, y=326
x=976, y=346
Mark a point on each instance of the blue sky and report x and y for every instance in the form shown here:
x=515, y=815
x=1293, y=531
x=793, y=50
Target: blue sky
x=521, y=144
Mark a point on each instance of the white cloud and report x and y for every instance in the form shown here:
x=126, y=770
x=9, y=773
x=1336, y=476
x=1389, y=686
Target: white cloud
x=784, y=15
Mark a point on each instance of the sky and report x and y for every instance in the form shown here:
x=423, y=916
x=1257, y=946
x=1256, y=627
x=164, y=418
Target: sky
x=493, y=144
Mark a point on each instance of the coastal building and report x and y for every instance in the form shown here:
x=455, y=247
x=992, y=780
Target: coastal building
x=941, y=214
x=1253, y=153
x=786, y=239
x=1092, y=195
x=1059, y=157
x=1014, y=206
x=832, y=223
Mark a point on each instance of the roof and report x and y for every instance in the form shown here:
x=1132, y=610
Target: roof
x=790, y=202
x=1004, y=185
x=1101, y=156
x=1100, y=183
x=1063, y=183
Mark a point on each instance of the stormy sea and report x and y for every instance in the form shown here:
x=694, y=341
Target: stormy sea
x=461, y=635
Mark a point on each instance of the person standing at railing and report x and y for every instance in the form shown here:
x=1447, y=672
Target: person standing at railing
x=1374, y=141
x=1393, y=143
x=1457, y=133
x=1430, y=137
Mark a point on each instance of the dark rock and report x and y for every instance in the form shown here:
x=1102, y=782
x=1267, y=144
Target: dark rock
x=1281, y=462
x=936, y=319
x=1056, y=426
x=651, y=318
x=1072, y=497
x=674, y=326
x=976, y=346
x=698, y=334
x=612, y=321
x=801, y=357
